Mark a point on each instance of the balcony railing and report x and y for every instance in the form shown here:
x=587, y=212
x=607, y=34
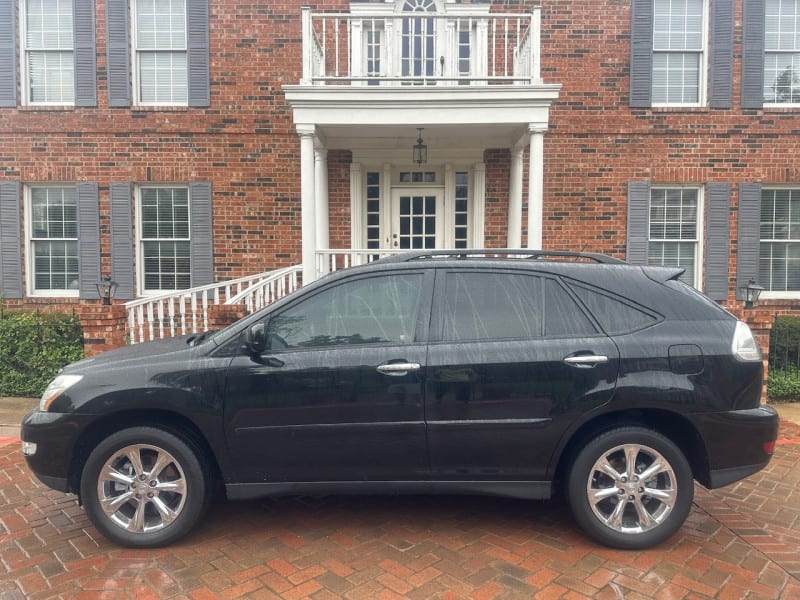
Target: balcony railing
x=376, y=49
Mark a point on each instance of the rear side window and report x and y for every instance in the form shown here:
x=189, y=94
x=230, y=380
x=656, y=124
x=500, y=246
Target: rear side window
x=498, y=306
x=614, y=316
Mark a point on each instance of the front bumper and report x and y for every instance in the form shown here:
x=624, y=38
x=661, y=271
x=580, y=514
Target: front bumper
x=735, y=443
x=55, y=436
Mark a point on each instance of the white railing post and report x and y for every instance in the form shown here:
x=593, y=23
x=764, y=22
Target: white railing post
x=535, y=45
x=308, y=44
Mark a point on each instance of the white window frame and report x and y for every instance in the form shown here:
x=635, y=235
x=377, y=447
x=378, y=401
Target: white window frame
x=767, y=294
x=136, y=95
x=139, y=253
x=767, y=52
x=699, y=231
x=702, y=83
x=30, y=257
x=25, y=83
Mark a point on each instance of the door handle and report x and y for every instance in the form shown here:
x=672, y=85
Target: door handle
x=586, y=360
x=397, y=369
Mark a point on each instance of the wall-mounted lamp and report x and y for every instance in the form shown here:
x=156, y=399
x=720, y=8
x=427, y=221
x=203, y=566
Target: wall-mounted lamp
x=420, y=154
x=106, y=289
x=751, y=292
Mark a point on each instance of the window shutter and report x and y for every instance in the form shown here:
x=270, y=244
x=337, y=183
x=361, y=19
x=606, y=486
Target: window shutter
x=88, y=239
x=749, y=235
x=85, y=53
x=122, y=240
x=753, y=54
x=717, y=240
x=10, y=255
x=202, y=251
x=197, y=32
x=8, y=54
x=641, y=53
x=119, y=85
x=721, y=54
x=638, y=221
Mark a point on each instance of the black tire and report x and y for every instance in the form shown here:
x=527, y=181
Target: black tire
x=150, y=504
x=625, y=514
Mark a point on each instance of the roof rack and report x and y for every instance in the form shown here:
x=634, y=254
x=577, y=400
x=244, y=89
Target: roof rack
x=502, y=253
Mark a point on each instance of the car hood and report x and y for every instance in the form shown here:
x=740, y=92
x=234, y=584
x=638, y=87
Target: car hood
x=133, y=353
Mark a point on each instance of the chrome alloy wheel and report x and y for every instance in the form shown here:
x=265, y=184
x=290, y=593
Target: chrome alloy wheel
x=141, y=488
x=632, y=488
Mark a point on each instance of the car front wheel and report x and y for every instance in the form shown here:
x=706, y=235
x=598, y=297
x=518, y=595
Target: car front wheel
x=144, y=487
x=630, y=488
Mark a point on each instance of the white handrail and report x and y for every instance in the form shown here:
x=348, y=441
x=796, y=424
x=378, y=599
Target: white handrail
x=279, y=284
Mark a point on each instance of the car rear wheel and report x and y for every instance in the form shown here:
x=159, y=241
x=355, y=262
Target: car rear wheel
x=144, y=487
x=630, y=488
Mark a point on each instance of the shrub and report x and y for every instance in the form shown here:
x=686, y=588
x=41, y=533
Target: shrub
x=33, y=347
x=784, y=343
x=783, y=384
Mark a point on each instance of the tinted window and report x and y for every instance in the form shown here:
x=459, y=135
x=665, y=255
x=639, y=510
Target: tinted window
x=613, y=315
x=563, y=316
x=365, y=311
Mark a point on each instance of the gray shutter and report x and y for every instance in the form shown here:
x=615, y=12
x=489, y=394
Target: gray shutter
x=721, y=80
x=202, y=250
x=8, y=54
x=641, y=79
x=717, y=240
x=122, y=262
x=119, y=84
x=197, y=34
x=749, y=235
x=638, y=221
x=10, y=256
x=85, y=53
x=753, y=54
x=88, y=239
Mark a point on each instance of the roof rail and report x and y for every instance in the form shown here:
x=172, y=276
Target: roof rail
x=501, y=253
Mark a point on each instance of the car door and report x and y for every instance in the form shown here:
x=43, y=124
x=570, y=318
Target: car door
x=512, y=359
x=337, y=394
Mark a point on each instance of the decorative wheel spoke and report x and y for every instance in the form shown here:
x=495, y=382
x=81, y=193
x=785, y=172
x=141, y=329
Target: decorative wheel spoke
x=177, y=486
x=112, y=504
x=109, y=473
x=615, y=519
x=167, y=514
x=162, y=461
x=133, y=454
x=606, y=467
x=646, y=520
x=631, y=453
x=603, y=494
x=666, y=497
x=655, y=469
x=136, y=524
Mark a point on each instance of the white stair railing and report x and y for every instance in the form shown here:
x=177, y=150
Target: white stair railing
x=279, y=284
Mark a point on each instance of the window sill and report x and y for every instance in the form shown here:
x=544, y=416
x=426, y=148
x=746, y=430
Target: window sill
x=157, y=108
x=48, y=108
x=680, y=109
x=782, y=108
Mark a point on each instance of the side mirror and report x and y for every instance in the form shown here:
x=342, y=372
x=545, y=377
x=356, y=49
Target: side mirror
x=255, y=338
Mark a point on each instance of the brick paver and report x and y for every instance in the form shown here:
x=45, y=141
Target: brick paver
x=740, y=541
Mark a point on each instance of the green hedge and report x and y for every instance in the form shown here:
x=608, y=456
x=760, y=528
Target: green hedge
x=784, y=343
x=33, y=347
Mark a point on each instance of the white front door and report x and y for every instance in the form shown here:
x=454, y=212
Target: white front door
x=416, y=219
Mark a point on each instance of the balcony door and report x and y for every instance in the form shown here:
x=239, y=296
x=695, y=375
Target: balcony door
x=418, y=48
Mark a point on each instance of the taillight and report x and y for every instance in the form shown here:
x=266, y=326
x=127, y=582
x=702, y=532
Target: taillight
x=744, y=346
x=769, y=447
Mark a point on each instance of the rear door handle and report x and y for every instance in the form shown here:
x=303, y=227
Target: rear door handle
x=397, y=369
x=586, y=360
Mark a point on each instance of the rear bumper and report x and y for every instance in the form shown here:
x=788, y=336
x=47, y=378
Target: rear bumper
x=735, y=443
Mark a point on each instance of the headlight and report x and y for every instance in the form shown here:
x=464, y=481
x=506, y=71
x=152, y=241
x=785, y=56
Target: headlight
x=53, y=391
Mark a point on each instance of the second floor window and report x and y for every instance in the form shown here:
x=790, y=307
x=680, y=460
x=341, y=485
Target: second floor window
x=161, y=52
x=673, y=236
x=678, y=51
x=782, y=52
x=48, y=60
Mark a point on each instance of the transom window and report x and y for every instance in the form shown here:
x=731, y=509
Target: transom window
x=674, y=214
x=779, y=264
x=161, y=51
x=48, y=60
x=678, y=51
x=53, y=227
x=164, y=238
x=782, y=51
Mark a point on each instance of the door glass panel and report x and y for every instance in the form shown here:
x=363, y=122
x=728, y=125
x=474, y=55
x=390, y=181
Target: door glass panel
x=417, y=220
x=378, y=310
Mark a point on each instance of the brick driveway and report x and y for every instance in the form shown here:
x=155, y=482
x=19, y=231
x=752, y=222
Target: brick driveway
x=742, y=541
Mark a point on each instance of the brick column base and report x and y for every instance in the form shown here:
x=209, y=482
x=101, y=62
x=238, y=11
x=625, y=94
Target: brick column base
x=103, y=327
x=222, y=315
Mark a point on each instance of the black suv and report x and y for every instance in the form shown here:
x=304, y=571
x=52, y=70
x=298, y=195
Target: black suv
x=428, y=372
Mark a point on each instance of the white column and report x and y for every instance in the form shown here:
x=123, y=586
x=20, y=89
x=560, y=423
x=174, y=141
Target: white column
x=356, y=208
x=536, y=189
x=321, y=195
x=478, y=204
x=515, y=199
x=307, y=203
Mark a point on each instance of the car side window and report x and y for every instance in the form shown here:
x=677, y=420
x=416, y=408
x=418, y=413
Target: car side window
x=563, y=316
x=613, y=315
x=375, y=310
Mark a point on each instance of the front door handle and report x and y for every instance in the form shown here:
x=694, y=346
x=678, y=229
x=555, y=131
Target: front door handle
x=397, y=369
x=586, y=360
